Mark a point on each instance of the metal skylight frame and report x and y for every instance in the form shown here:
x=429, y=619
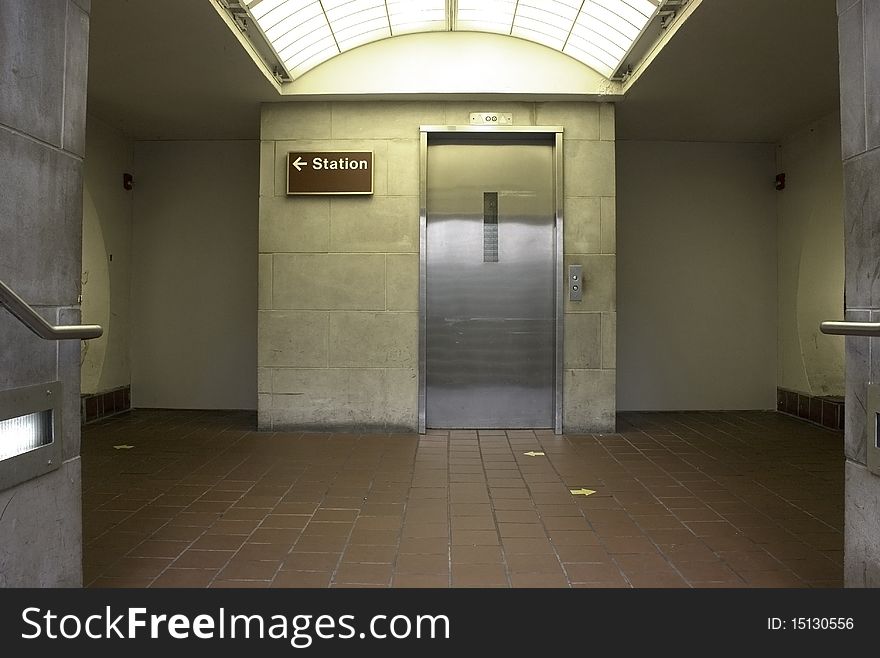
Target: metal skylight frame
x=304, y=33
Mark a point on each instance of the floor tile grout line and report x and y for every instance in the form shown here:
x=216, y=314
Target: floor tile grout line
x=147, y=539
x=590, y=523
x=213, y=580
x=541, y=516
x=493, y=510
x=395, y=561
x=670, y=452
x=702, y=542
x=449, y=518
x=729, y=566
x=232, y=557
x=735, y=571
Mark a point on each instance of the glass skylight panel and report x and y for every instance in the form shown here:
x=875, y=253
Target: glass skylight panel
x=416, y=15
x=589, y=40
x=358, y=35
x=259, y=8
x=486, y=15
x=348, y=25
x=285, y=15
x=348, y=7
x=305, y=48
x=356, y=22
x=608, y=23
x=588, y=59
x=308, y=30
x=646, y=8
x=558, y=14
x=343, y=14
x=549, y=23
x=591, y=55
x=295, y=23
x=594, y=48
x=599, y=33
x=309, y=59
x=553, y=41
x=314, y=31
x=341, y=21
x=603, y=33
x=626, y=11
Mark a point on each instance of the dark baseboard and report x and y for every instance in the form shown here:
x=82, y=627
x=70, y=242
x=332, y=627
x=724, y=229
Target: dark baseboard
x=824, y=410
x=109, y=403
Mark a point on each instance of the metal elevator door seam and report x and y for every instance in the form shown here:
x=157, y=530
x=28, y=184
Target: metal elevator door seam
x=490, y=310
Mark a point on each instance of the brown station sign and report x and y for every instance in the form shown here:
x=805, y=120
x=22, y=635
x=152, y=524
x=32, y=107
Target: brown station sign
x=330, y=172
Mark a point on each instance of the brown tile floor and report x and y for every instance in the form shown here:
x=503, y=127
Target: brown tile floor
x=682, y=500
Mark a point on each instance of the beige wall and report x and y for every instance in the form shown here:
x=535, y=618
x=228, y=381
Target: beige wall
x=338, y=320
x=811, y=267
x=106, y=276
x=697, y=276
x=194, y=280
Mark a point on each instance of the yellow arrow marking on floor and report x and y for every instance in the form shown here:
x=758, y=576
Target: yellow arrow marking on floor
x=123, y=447
x=533, y=454
x=582, y=492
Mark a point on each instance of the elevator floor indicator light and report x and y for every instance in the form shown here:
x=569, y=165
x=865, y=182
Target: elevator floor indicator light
x=491, y=118
x=329, y=172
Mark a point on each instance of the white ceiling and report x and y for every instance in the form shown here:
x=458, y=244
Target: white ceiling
x=738, y=70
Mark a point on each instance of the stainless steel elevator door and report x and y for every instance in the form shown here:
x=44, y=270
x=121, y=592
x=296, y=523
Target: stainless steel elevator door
x=490, y=305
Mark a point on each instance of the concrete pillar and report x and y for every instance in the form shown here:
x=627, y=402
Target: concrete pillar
x=43, y=67
x=859, y=38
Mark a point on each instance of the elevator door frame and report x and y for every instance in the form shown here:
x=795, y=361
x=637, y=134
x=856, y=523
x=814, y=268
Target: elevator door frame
x=552, y=134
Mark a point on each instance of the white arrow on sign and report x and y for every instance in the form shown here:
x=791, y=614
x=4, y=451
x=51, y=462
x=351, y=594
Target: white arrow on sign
x=299, y=163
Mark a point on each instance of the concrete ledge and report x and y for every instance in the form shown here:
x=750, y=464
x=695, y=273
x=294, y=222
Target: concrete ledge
x=344, y=429
x=825, y=410
x=108, y=403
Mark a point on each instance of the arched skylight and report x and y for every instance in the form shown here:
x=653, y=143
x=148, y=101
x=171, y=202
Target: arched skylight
x=304, y=33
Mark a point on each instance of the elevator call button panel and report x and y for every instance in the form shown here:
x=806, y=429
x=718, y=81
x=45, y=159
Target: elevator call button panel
x=575, y=283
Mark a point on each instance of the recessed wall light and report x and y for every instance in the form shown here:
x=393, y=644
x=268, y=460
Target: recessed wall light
x=30, y=432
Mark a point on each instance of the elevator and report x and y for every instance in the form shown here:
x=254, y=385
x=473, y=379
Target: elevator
x=491, y=277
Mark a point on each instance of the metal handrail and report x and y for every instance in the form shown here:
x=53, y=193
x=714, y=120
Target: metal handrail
x=870, y=329
x=33, y=321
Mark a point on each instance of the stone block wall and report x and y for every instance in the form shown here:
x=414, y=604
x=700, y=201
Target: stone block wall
x=338, y=303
